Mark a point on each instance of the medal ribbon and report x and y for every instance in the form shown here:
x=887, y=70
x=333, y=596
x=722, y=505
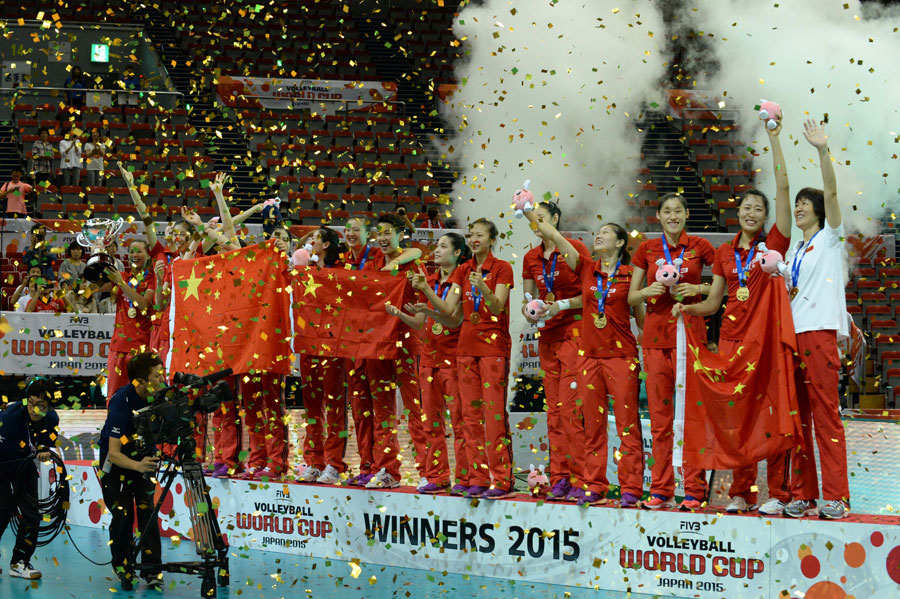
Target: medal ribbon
x=798, y=258
x=135, y=286
x=437, y=286
x=743, y=269
x=365, y=257
x=548, y=279
x=476, y=298
x=665, y=245
x=601, y=301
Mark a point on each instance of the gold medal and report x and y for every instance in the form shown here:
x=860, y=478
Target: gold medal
x=600, y=321
x=437, y=328
x=549, y=297
x=743, y=294
x=475, y=318
x=794, y=292
x=132, y=312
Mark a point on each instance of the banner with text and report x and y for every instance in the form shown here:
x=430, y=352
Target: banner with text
x=54, y=344
x=324, y=96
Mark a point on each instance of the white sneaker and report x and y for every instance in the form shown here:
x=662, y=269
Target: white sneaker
x=382, y=480
x=739, y=505
x=773, y=507
x=309, y=475
x=330, y=476
x=423, y=482
x=24, y=570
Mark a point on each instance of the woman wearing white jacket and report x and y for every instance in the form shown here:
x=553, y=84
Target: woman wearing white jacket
x=70, y=159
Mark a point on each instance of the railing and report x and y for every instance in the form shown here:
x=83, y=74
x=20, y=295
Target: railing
x=305, y=104
x=92, y=97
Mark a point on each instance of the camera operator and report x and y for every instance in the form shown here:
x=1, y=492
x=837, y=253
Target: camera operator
x=125, y=478
x=27, y=430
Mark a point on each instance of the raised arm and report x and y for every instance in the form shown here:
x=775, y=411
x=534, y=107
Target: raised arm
x=782, y=185
x=240, y=218
x=550, y=232
x=224, y=213
x=149, y=230
x=815, y=134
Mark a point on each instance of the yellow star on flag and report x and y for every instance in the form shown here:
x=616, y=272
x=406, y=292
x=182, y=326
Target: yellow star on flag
x=751, y=366
x=739, y=388
x=311, y=286
x=193, y=285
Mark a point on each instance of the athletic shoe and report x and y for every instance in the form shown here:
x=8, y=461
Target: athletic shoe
x=310, y=474
x=658, y=502
x=249, y=474
x=575, y=494
x=220, y=471
x=24, y=570
x=382, y=480
x=591, y=498
x=739, y=505
x=266, y=475
x=476, y=491
x=799, y=508
x=126, y=580
x=330, y=476
x=432, y=488
x=561, y=488
x=496, y=494
x=209, y=471
x=629, y=500
x=689, y=504
x=834, y=510
x=360, y=480
x=773, y=507
x=459, y=489
x=155, y=582
x=423, y=482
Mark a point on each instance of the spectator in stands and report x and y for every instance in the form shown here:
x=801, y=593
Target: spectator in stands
x=75, y=81
x=83, y=298
x=113, y=250
x=15, y=191
x=42, y=157
x=48, y=297
x=38, y=255
x=24, y=292
x=94, y=153
x=72, y=268
x=70, y=159
x=131, y=82
x=434, y=219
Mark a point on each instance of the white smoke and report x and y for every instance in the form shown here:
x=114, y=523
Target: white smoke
x=814, y=58
x=549, y=91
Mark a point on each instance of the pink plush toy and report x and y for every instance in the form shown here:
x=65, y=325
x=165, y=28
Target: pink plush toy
x=770, y=260
x=770, y=112
x=668, y=274
x=523, y=200
x=533, y=309
x=538, y=483
x=303, y=256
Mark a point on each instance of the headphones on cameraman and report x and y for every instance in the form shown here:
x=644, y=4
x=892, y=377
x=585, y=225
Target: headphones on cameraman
x=32, y=382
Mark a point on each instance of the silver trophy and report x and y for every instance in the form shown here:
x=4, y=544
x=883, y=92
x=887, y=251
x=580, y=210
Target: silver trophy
x=96, y=234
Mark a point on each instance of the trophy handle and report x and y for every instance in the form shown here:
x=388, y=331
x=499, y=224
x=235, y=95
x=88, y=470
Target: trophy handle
x=82, y=240
x=113, y=231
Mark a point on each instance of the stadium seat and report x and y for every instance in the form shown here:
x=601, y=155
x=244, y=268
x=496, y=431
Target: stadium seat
x=302, y=200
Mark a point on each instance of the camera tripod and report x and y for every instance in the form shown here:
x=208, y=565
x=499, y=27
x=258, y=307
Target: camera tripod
x=207, y=535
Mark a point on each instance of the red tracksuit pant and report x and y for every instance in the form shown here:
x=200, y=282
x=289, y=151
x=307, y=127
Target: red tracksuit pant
x=385, y=377
x=325, y=404
x=603, y=382
x=482, y=387
x=819, y=404
x=565, y=428
x=227, y=433
x=660, y=365
x=440, y=392
x=117, y=368
x=777, y=473
x=262, y=395
x=360, y=400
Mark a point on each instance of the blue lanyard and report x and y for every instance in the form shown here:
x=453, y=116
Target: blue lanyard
x=476, y=296
x=548, y=279
x=665, y=245
x=601, y=301
x=744, y=268
x=437, y=286
x=798, y=258
x=365, y=257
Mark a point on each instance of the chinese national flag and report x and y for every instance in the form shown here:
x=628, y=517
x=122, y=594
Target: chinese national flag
x=742, y=408
x=231, y=311
x=341, y=313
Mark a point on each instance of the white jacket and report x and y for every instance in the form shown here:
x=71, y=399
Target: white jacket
x=70, y=153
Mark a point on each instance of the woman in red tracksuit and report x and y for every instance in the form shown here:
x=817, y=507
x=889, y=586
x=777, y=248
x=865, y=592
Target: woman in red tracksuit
x=548, y=275
x=325, y=400
x=356, y=236
x=608, y=370
x=438, y=374
x=482, y=286
x=659, y=341
x=736, y=272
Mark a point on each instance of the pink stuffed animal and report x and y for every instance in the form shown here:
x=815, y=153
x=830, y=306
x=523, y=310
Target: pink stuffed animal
x=303, y=256
x=668, y=274
x=523, y=200
x=538, y=483
x=533, y=309
x=770, y=260
x=770, y=112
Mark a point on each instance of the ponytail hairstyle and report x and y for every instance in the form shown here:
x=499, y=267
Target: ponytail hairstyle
x=553, y=209
x=459, y=243
x=336, y=247
x=622, y=234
